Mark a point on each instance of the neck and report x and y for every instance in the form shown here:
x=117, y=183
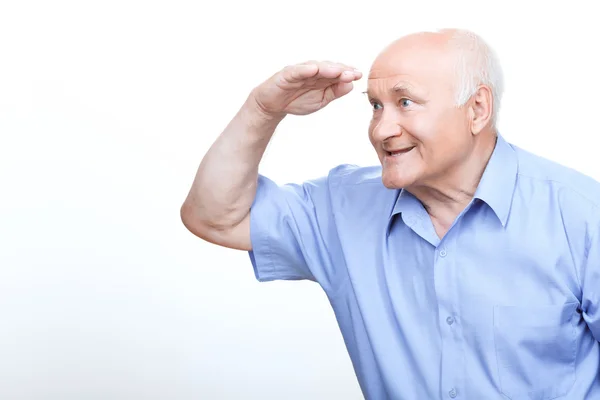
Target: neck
x=447, y=196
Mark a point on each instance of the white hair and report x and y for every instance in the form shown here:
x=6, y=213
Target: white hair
x=477, y=64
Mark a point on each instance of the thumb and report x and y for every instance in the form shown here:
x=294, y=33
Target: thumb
x=338, y=90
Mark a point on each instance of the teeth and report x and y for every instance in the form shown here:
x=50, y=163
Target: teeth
x=394, y=153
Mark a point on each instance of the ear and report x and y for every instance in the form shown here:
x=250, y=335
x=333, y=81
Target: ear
x=480, y=110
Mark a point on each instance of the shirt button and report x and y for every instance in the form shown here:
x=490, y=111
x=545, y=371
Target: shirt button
x=452, y=393
x=450, y=320
x=443, y=253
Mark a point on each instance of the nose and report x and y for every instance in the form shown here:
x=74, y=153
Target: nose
x=386, y=128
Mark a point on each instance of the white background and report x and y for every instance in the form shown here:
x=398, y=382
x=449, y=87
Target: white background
x=106, y=108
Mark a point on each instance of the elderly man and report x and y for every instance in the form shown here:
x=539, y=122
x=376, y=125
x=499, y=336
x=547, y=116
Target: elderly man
x=462, y=267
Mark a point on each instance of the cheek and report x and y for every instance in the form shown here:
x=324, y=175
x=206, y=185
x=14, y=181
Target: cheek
x=438, y=127
x=439, y=137
x=450, y=144
x=423, y=128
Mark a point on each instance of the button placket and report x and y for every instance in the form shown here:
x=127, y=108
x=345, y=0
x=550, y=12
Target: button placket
x=446, y=279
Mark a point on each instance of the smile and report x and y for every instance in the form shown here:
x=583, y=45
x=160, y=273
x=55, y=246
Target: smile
x=395, y=153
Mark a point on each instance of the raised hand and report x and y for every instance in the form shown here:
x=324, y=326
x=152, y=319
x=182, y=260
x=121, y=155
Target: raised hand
x=304, y=88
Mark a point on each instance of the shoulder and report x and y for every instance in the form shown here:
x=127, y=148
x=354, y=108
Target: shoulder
x=351, y=174
x=355, y=190
x=570, y=186
x=335, y=182
x=347, y=186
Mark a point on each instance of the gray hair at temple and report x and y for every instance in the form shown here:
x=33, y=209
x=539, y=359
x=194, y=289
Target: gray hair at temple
x=477, y=64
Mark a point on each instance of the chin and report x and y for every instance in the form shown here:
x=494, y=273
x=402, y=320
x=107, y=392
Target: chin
x=394, y=180
x=399, y=173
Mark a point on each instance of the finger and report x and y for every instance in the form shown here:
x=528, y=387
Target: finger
x=320, y=70
x=340, y=71
x=350, y=70
x=341, y=89
x=330, y=71
x=337, y=90
x=350, y=75
x=342, y=65
x=299, y=72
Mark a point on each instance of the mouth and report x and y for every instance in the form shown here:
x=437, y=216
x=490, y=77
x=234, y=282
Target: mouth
x=399, y=152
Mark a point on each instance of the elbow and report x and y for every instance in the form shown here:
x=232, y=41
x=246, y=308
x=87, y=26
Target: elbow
x=235, y=237
x=191, y=221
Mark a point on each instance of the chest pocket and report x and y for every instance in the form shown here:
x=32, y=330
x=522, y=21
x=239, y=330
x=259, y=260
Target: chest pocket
x=535, y=350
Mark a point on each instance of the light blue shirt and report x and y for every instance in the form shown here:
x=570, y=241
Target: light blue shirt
x=505, y=306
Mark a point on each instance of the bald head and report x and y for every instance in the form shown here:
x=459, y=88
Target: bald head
x=432, y=42
x=460, y=58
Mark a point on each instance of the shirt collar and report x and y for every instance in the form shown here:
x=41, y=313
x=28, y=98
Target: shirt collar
x=495, y=188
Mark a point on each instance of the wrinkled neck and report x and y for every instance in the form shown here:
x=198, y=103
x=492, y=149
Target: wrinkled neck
x=446, y=197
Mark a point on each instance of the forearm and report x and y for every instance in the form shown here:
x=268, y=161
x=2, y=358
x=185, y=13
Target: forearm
x=225, y=183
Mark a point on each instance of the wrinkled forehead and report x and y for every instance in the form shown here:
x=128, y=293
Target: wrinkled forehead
x=426, y=69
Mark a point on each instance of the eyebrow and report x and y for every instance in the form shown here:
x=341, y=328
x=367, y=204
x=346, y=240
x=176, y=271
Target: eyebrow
x=399, y=88
x=402, y=87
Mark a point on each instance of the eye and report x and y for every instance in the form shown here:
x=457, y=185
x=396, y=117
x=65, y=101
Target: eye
x=405, y=102
x=376, y=105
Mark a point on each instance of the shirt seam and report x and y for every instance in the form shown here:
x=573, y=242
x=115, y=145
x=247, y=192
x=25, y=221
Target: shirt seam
x=563, y=184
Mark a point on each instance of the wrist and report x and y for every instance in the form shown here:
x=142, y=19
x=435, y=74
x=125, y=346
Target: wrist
x=256, y=124
x=259, y=113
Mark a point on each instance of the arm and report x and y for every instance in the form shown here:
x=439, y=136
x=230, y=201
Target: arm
x=217, y=207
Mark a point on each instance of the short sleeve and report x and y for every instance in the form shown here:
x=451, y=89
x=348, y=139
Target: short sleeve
x=289, y=228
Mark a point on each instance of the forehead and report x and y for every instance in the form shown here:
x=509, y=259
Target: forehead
x=424, y=69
